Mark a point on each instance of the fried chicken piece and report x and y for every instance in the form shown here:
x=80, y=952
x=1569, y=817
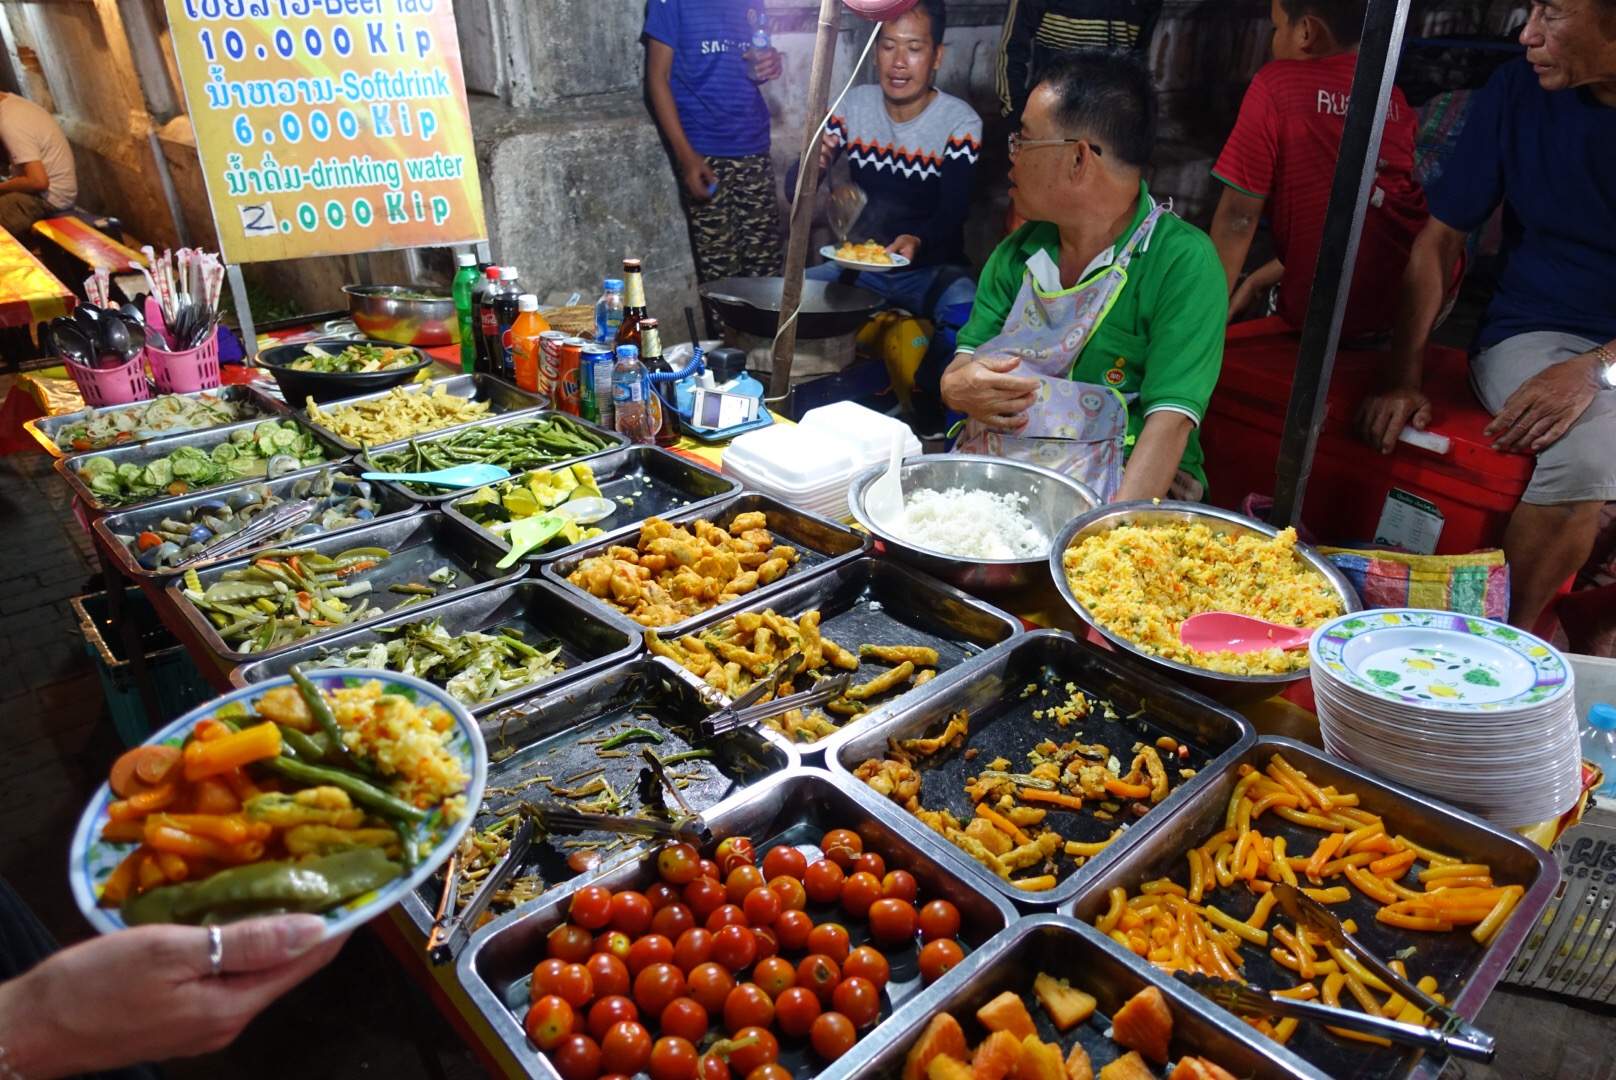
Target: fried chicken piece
x=754, y=519
x=958, y=727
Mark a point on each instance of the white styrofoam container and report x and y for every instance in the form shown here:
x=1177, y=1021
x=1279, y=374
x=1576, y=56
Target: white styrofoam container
x=868, y=432
x=790, y=459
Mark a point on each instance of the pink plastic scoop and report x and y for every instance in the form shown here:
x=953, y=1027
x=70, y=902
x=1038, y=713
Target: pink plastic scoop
x=1224, y=631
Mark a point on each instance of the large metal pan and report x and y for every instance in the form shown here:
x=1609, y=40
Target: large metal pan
x=752, y=306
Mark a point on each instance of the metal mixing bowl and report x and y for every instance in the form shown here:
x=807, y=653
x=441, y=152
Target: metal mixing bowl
x=387, y=313
x=1230, y=689
x=1052, y=501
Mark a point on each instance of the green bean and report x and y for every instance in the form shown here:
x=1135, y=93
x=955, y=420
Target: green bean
x=320, y=710
x=361, y=791
x=634, y=734
x=687, y=755
x=302, y=747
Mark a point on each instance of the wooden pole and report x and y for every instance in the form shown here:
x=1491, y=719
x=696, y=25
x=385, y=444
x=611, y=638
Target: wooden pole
x=802, y=211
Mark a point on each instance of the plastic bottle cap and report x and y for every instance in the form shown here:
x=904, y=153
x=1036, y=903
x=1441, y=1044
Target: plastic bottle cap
x=465, y=258
x=527, y=302
x=492, y=273
x=612, y=284
x=507, y=273
x=1603, y=717
x=628, y=352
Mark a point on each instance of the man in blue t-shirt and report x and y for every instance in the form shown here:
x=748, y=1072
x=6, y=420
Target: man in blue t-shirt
x=705, y=60
x=1540, y=140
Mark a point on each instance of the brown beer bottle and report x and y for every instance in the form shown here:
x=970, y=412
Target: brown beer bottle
x=659, y=402
x=633, y=303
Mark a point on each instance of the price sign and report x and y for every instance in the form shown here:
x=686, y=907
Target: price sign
x=327, y=127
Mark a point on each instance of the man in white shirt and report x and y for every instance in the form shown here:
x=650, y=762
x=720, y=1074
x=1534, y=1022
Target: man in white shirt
x=42, y=180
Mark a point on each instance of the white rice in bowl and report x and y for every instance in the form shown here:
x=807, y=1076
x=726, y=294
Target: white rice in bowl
x=970, y=523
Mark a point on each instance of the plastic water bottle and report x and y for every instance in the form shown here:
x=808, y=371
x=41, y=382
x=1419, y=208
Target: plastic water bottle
x=1599, y=745
x=461, y=288
x=628, y=396
x=609, y=311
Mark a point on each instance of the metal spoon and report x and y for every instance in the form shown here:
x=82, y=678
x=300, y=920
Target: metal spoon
x=115, y=338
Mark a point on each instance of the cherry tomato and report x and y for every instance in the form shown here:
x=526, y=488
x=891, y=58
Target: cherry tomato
x=939, y=919
x=570, y=943
x=784, y=859
x=686, y=1018
x=656, y=985
x=546, y=978
x=892, y=921
x=734, y=851
x=842, y=847
x=858, y=1000
x=626, y=1048
x=868, y=963
x=824, y=882
x=762, y=906
x=871, y=862
x=735, y=947
x=832, y=1035
x=747, y=1005
x=575, y=985
x=795, y=1010
x=608, y=973
x=674, y=1057
x=768, y=942
x=581, y=862
x=761, y=1048
x=661, y=894
x=859, y=891
x=830, y=939
x=631, y=913
x=793, y=928
x=938, y=957
x=710, y=984
x=726, y=915
x=549, y=1021
x=772, y=1070
x=695, y=946
x=591, y=907
x=614, y=943
x=742, y=880
x=608, y=1011
x=672, y=920
x=705, y=896
x=793, y=897
x=648, y=950
x=712, y=1067
x=819, y=974
x=576, y=1058
x=774, y=975
x=900, y=885
x=678, y=864
x=710, y=869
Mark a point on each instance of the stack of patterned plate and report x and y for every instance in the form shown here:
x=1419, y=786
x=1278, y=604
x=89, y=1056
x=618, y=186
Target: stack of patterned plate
x=1468, y=710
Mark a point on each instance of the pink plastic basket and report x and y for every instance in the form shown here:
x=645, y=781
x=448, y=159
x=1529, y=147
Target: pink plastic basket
x=112, y=386
x=183, y=372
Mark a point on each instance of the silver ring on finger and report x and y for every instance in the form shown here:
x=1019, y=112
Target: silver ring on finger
x=215, y=951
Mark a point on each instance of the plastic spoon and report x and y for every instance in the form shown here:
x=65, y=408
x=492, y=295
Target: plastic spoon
x=884, y=498
x=1224, y=631
x=526, y=534
x=458, y=476
x=587, y=510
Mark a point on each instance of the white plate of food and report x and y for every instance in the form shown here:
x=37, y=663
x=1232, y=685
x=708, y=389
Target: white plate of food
x=872, y=255
x=241, y=806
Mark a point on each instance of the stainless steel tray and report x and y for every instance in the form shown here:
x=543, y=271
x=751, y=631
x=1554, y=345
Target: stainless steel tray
x=795, y=809
x=645, y=481
x=1070, y=950
x=152, y=449
x=886, y=603
x=590, y=641
x=543, y=735
x=131, y=522
x=821, y=543
x=1466, y=971
x=503, y=400
x=419, y=543
x=368, y=456
x=44, y=429
x=1001, y=722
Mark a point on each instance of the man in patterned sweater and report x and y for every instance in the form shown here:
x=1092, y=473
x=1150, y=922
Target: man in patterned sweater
x=913, y=149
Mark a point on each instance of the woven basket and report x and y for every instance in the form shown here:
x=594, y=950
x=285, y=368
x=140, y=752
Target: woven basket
x=576, y=319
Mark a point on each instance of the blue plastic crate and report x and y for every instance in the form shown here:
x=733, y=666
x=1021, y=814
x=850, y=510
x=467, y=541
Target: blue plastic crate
x=176, y=679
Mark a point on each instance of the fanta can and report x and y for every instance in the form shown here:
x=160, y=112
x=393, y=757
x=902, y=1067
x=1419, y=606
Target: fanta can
x=565, y=395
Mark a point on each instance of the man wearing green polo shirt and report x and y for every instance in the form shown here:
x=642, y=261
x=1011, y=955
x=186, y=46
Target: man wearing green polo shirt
x=1103, y=288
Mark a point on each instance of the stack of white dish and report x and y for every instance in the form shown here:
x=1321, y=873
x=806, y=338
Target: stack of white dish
x=809, y=464
x=1470, y=711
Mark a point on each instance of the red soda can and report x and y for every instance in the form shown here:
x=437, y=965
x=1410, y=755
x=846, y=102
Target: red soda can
x=565, y=396
x=549, y=362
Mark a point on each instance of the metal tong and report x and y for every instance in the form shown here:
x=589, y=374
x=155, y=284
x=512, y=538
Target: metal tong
x=1453, y=1032
x=450, y=930
x=745, y=710
x=267, y=524
x=562, y=819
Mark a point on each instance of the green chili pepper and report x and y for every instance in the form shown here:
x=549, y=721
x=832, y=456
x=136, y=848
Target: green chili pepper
x=634, y=734
x=687, y=755
x=361, y=791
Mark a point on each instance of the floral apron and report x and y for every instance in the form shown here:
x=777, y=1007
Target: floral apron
x=1079, y=429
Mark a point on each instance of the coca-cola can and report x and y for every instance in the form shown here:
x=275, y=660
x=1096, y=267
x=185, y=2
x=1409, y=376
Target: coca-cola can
x=549, y=363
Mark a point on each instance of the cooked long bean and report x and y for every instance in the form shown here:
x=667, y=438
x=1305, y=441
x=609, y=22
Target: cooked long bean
x=515, y=446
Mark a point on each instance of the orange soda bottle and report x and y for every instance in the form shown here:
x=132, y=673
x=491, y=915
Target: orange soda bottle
x=525, y=349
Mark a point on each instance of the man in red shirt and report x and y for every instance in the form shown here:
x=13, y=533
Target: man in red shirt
x=1281, y=155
